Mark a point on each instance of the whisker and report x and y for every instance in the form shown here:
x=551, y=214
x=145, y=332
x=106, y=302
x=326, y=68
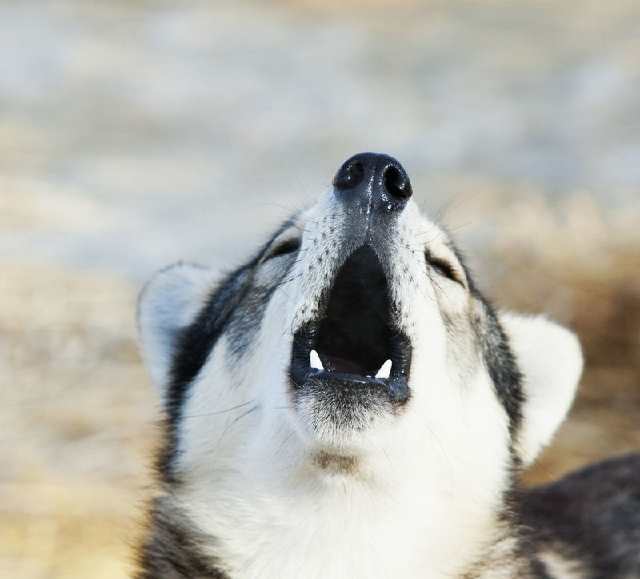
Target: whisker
x=284, y=441
x=236, y=420
x=218, y=412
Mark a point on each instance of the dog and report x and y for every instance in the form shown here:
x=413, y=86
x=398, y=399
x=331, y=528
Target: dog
x=348, y=405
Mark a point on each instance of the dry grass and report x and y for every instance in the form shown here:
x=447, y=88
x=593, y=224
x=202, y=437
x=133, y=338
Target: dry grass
x=78, y=413
x=582, y=269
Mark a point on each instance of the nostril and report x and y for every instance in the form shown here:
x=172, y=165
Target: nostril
x=396, y=182
x=349, y=176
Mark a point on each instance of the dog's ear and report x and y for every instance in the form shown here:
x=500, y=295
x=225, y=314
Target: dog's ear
x=550, y=360
x=168, y=304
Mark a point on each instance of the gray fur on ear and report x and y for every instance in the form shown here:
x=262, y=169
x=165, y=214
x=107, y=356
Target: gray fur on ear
x=550, y=360
x=168, y=303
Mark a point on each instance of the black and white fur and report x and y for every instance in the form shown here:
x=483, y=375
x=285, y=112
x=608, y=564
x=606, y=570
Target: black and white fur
x=265, y=480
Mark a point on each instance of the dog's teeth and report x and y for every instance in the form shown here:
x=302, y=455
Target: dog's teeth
x=314, y=361
x=385, y=370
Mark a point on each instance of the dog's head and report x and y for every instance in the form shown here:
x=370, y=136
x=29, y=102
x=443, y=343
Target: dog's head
x=354, y=341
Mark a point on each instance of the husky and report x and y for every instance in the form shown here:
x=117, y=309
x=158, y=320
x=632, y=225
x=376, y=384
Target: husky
x=348, y=405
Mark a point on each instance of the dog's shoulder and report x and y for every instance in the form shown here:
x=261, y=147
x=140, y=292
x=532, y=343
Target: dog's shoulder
x=590, y=519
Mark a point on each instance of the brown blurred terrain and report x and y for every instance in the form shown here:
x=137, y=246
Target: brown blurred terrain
x=582, y=269
x=124, y=127
x=77, y=418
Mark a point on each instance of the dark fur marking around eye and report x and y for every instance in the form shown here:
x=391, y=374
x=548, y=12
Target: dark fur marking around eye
x=193, y=345
x=443, y=267
x=288, y=246
x=195, y=342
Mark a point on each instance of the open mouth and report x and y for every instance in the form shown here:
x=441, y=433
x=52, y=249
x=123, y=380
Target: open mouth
x=354, y=341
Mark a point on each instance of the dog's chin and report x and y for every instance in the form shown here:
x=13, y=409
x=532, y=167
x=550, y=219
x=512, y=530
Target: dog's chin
x=342, y=439
x=343, y=419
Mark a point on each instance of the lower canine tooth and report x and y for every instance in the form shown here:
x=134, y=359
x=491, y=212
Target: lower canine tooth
x=385, y=370
x=314, y=360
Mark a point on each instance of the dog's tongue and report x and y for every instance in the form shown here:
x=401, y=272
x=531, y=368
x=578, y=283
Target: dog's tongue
x=336, y=364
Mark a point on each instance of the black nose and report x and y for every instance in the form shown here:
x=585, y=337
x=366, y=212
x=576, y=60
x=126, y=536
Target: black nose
x=378, y=177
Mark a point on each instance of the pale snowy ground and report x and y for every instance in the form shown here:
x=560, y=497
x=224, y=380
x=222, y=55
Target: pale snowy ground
x=189, y=131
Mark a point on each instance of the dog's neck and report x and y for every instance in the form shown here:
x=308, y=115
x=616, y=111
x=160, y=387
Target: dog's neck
x=342, y=524
x=402, y=507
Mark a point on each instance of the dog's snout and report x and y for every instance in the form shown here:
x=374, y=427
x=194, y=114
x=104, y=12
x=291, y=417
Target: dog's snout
x=377, y=179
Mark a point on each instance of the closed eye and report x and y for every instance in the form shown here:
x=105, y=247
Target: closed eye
x=443, y=267
x=283, y=248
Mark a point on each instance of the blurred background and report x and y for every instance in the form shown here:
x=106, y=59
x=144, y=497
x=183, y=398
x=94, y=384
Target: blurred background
x=136, y=133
